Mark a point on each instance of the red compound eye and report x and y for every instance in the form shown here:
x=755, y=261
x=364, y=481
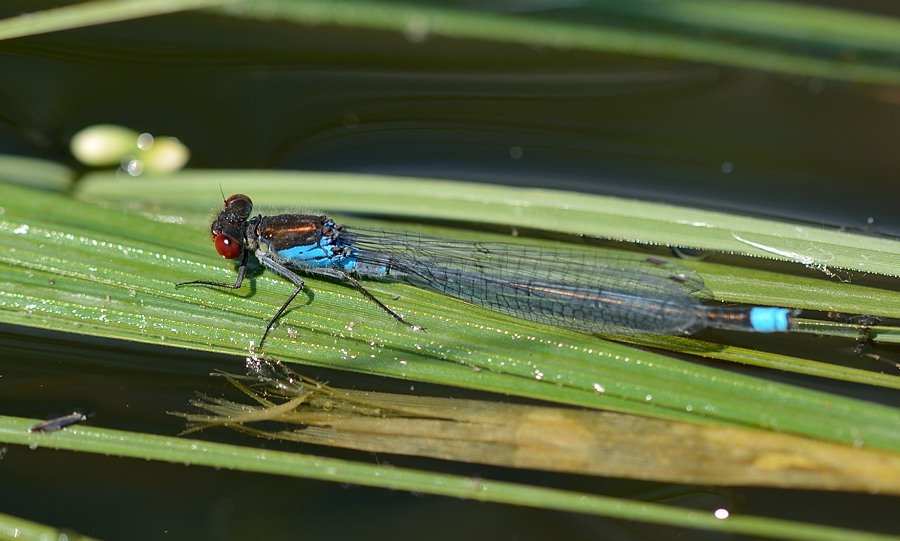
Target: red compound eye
x=227, y=246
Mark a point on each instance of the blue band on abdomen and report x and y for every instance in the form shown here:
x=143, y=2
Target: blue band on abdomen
x=769, y=319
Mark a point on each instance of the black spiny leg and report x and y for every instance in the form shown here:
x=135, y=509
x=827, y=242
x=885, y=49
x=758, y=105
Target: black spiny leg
x=280, y=312
x=359, y=287
x=236, y=285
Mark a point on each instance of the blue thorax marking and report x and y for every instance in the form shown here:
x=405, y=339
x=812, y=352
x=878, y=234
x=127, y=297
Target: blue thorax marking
x=327, y=252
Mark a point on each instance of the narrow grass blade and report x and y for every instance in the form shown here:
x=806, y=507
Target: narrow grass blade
x=795, y=39
x=789, y=38
x=109, y=442
x=809, y=247
x=92, y=13
x=25, y=530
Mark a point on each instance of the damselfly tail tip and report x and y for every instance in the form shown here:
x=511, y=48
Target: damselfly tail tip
x=768, y=319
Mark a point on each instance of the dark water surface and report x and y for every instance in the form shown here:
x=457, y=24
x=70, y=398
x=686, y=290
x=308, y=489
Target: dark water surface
x=271, y=95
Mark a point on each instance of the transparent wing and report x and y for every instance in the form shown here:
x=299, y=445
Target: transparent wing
x=593, y=290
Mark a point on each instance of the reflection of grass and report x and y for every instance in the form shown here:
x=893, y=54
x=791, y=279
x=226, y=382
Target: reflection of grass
x=581, y=442
x=791, y=39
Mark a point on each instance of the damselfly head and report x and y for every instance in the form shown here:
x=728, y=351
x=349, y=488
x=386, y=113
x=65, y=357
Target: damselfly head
x=228, y=228
x=239, y=202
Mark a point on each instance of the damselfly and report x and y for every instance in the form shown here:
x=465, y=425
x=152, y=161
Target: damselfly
x=578, y=289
